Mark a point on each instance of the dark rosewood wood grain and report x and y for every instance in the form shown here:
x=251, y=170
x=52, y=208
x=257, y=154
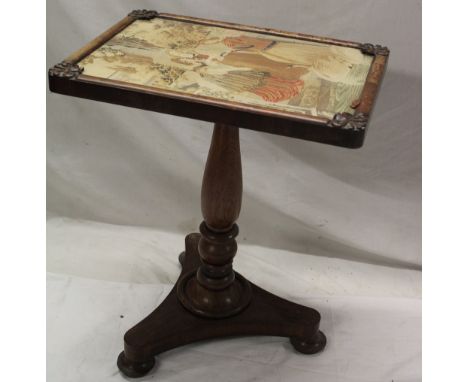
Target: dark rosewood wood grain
x=196, y=108
x=170, y=325
x=319, y=129
x=213, y=290
x=210, y=300
x=221, y=195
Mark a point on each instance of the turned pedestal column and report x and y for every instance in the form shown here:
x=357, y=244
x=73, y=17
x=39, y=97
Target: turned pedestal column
x=214, y=290
x=210, y=299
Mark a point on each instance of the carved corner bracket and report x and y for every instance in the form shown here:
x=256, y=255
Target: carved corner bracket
x=348, y=121
x=374, y=49
x=143, y=14
x=66, y=69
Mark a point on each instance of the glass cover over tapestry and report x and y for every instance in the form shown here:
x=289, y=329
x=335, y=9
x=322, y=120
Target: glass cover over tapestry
x=254, y=69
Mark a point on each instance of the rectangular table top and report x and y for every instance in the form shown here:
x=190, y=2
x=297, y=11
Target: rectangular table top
x=283, y=83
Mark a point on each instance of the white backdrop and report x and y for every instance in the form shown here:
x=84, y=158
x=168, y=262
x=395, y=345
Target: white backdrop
x=123, y=187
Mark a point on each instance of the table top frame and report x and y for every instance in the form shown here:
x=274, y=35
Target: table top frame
x=344, y=129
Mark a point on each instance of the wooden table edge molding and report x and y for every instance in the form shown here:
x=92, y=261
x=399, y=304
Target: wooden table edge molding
x=210, y=300
x=344, y=129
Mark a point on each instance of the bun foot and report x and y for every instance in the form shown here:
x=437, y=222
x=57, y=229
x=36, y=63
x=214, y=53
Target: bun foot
x=134, y=369
x=172, y=325
x=312, y=346
x=182, y=258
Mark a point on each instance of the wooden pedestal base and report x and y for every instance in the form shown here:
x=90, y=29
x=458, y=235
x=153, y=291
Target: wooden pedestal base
x=210, y=300
x=172, y=325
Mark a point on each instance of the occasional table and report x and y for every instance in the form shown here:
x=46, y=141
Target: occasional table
x=291, y=84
